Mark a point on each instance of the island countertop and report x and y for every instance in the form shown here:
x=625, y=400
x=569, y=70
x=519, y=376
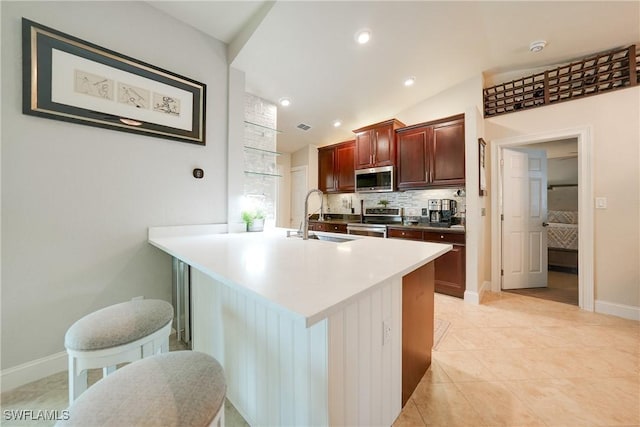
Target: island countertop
x=308, y=279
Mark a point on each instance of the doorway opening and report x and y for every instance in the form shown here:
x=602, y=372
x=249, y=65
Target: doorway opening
x=560, y=219
x=578, y=260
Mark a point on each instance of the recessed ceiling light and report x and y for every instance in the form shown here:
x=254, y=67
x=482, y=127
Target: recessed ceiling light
x=285, y=102
x=409, y=81
x=337, y=123
x=537, y=45
x=363, y=36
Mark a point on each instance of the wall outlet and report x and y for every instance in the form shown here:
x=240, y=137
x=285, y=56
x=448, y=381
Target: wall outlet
x=386, y=331
x=601, y=203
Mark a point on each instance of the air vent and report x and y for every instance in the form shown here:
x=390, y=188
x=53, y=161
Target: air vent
x=303, y=126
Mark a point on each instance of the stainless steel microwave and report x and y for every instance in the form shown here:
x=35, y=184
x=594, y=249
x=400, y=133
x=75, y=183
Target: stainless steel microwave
x=374, y=180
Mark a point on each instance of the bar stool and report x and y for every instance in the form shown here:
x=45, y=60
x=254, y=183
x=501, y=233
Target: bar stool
x=180, y=388
x=116, y=334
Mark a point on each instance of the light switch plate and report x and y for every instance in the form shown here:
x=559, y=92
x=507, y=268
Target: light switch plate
x=601, y=203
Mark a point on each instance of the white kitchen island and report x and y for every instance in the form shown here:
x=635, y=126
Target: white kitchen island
x=309, y=332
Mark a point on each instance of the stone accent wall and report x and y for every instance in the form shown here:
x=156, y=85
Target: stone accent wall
x=259, y=161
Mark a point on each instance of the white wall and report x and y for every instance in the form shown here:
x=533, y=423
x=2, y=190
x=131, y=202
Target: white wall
x=307, y=156
x=77, y=200
x=615, y=122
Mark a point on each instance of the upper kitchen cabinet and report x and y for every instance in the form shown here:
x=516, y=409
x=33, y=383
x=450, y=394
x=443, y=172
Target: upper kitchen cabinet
x=448, y=152
x=431, y=154
x=376, y=144
x=336, y=167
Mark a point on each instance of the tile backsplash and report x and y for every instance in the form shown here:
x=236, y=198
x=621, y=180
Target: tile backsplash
x=412, y=201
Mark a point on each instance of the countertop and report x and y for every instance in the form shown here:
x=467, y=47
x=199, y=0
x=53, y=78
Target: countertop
x=309, y=279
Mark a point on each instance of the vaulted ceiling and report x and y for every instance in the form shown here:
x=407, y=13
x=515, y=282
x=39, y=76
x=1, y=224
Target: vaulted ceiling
x=306, y=50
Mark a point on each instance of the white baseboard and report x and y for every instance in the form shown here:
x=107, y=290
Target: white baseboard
x=620, y=310
x=473, y=297
x=31, y=371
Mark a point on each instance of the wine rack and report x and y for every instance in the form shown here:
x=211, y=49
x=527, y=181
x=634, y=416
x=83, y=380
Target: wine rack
x=599, y=73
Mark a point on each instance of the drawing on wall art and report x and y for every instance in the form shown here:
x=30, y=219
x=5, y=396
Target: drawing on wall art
x=166, y=104
x=91, y=84
x=70, y=79
x=134, y=96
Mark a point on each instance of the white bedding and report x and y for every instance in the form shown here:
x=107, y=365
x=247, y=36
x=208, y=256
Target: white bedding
x=563, y=236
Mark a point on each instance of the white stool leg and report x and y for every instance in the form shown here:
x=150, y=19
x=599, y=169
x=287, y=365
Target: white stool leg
x=107, y=370
x=77, y=380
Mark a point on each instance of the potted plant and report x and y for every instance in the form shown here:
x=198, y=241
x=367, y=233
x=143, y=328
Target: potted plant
x=383, y=202
x=254, y=219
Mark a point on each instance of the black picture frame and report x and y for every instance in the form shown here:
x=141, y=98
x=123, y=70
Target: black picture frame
x=482, y=156
x=69, y=79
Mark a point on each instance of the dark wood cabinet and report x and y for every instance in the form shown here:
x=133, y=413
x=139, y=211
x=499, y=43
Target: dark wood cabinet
x=447, y=158
x=450, y=269
x=345, y=167
x=417, y=327
x=336, y=167
x=327, y=226
x=404, y=234
x=431, y=154
x=326, y=165
x=413, y=157
x=376, y=144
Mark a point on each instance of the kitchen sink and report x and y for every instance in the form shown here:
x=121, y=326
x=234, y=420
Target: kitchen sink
x=329, y=238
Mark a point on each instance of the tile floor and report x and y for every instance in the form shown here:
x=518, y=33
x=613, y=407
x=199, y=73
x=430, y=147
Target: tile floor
x=522, y=361
x=511, y=361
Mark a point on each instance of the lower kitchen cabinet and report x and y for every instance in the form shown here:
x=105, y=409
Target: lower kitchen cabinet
x=450, y=274
x=450, y=269
x=327, y=226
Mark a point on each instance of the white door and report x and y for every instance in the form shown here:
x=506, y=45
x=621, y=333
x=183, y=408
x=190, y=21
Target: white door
x=298, y=193
x=524, y=236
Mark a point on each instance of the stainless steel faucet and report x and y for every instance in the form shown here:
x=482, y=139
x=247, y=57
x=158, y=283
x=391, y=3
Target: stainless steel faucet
x=305, y=226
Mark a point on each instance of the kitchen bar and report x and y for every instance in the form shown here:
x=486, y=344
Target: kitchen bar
x=309, y=332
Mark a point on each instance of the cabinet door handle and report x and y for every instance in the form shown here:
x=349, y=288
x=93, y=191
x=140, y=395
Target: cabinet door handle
x=441, y=236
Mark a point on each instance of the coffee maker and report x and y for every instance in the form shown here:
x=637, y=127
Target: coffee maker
x=441, y=211
x=434, y=210
x=447, y=210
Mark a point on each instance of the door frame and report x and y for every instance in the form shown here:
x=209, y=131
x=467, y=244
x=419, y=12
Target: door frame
x=585, y=203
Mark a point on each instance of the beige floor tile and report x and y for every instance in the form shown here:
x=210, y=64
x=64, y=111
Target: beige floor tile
x=410, y=416
x=450, y=341
x=462, y=366
x=512, y=364
x=553, y=401
x=444, y=405
x=435, y=374
x=609, y=401
x=497, y=405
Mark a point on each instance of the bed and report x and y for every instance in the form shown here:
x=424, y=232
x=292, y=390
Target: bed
x=563, y=240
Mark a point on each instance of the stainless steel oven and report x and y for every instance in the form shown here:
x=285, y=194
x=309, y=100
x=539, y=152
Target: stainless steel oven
x=371, y=230
x=374, y=222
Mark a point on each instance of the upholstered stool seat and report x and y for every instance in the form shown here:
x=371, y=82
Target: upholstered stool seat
x=116, y=334
x=180, y=388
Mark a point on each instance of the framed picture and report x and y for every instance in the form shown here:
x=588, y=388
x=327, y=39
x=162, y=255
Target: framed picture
x=483, y=171
x=65, y=78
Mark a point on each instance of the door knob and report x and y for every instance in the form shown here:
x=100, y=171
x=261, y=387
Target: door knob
x=545, y=224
